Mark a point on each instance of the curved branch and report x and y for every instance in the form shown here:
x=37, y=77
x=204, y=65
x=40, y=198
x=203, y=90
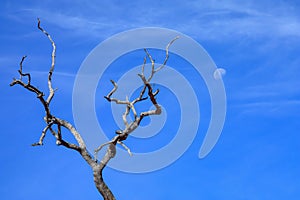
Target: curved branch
x=167, y=53
x=40, y=142
x=72, y=129
x=97, y=173
x=53, y=55
x=21, y=71
x=80, y=147
x=130, y=127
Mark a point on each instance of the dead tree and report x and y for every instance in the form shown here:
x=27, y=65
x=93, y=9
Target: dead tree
x=55, y=125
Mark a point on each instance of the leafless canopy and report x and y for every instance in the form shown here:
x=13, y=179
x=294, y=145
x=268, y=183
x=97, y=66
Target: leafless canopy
x=54, y=125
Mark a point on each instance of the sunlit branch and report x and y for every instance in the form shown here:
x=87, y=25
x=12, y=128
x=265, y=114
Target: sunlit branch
x=53, y=55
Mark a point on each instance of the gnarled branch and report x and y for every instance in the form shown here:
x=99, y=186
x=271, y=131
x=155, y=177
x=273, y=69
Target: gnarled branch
x=130, y=127
x=53, y=55
x=55, y=124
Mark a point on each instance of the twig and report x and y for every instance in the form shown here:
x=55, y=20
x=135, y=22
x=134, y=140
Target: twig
x=53, y=55
x=40, y=142
x=130, y=127
x=125, y=147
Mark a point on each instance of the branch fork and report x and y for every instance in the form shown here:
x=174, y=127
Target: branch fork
x=54, y=124
x=130, y=105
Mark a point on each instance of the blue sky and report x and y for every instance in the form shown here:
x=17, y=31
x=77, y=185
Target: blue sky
x=257, y=42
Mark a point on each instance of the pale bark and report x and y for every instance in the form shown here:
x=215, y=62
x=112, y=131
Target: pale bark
x=54, y=124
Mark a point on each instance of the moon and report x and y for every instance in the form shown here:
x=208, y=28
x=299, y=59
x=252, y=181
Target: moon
x=219, y=73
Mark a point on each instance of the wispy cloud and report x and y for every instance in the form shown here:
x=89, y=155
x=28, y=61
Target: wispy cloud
x=207, y=20
x=271, y=108
x=80, y=26
x=57, y=73
x=270, y=89
x=246, y=18
x=268, y=99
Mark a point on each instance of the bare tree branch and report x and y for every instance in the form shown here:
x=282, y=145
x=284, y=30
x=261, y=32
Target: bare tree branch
x=53, y=55
x=167, y=54
x=55, y=124
x=165, y=61
x=125, y=147
x=21, y=71
x=40, y=142
x=51, y=120
x=130, y=127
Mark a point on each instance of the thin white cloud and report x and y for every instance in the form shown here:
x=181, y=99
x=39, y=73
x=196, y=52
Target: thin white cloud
x=274, y=108
x=260, y=104
x=274, y=97
x=82, y=26
x=56, y=73
x=206, y=20
x=235, y=19
x=269, y=90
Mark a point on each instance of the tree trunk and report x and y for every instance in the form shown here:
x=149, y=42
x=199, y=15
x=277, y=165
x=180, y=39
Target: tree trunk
x=100, y=184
